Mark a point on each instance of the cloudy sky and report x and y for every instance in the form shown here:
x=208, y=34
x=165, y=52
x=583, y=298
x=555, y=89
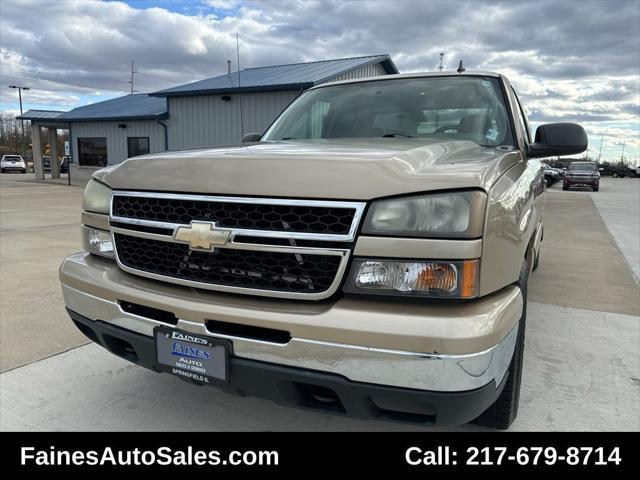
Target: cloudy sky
x=569, y=60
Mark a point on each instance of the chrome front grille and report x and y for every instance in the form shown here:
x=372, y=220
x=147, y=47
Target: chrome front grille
x=274, y=247
x=248, y=216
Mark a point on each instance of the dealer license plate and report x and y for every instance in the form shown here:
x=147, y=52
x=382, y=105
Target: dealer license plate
x=194, y=357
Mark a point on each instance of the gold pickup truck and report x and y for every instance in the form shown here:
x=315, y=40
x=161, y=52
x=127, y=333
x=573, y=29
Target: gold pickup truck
x=367, y=256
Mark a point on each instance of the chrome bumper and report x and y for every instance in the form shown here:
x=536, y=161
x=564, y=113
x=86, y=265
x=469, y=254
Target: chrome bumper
x=422, y=371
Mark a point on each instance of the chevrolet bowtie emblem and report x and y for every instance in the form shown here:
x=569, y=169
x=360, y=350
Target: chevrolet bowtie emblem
x=202, y=236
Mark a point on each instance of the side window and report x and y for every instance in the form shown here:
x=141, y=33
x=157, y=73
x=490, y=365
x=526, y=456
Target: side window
x=523, y=117
x=137, y=146
x=92, y=152
x=319, y=112
x=311, y=123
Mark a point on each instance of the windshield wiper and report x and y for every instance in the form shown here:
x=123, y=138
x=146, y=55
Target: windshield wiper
x=392, y=135
x=289, y=138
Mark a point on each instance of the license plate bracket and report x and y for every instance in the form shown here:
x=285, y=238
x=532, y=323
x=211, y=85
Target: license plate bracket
x=194, y=357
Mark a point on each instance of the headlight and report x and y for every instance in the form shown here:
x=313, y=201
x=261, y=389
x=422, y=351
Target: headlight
x=456, y=214
x=98, y=242
x=97, y=197
x=422, y=278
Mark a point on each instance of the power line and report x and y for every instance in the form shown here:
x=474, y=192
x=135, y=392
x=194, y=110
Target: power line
x=31, y=79
x=18, y=78
x=93, y=67
x=57, y=82
x=56, y=60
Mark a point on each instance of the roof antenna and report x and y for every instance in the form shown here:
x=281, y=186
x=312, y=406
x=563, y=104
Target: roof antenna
x=460, y=68
x=239, y=87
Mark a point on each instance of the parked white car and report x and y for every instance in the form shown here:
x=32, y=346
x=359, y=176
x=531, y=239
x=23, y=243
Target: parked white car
x=13, y=163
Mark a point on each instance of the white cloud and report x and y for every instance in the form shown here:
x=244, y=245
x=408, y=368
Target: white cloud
x=223, y=4
x=570, y=60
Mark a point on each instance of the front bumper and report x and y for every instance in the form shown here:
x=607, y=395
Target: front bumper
x=581, y=182
x=434, y=347
x=311, y=389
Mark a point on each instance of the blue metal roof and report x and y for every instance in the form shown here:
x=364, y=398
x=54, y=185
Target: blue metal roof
x=139, y=106
x=40, y=115
x=278, y=77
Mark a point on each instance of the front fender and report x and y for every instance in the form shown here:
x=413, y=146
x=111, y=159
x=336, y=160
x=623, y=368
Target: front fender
x=514, y=211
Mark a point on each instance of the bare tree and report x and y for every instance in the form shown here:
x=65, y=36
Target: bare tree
x=11, y=140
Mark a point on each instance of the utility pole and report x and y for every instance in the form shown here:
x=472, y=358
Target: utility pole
x=131, y=81
x=622, y=156
x=600, y=154
x=24, y=152
x=441, y=66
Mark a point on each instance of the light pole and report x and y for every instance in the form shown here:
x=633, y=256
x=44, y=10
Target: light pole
x=21, y=120
x=600, y=154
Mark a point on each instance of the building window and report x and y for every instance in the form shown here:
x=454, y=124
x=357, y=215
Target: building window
x=92, y=152
x=137, y=146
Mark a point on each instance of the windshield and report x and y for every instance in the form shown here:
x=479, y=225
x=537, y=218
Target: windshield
x=448, y=108
x=582, y=166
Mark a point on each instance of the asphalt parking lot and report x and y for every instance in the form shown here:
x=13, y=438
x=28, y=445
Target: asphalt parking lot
x=582, y=356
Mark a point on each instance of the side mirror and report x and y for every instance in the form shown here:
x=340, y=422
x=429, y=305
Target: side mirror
x=558, y=139
x=251, y=137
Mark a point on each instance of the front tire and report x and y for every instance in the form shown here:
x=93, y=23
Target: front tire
x=504, y=410
x=565, y=187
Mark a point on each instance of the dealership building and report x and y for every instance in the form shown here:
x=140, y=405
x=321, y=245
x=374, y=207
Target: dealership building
x=206, y=113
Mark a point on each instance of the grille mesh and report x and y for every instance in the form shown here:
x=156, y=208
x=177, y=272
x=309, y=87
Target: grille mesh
x=282, y=218
x=285, y=272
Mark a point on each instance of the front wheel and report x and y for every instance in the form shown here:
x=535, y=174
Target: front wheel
x=504, y=410
x=565, y=187
x=615, y=175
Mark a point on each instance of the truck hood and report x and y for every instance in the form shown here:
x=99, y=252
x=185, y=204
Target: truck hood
x=331, y=169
